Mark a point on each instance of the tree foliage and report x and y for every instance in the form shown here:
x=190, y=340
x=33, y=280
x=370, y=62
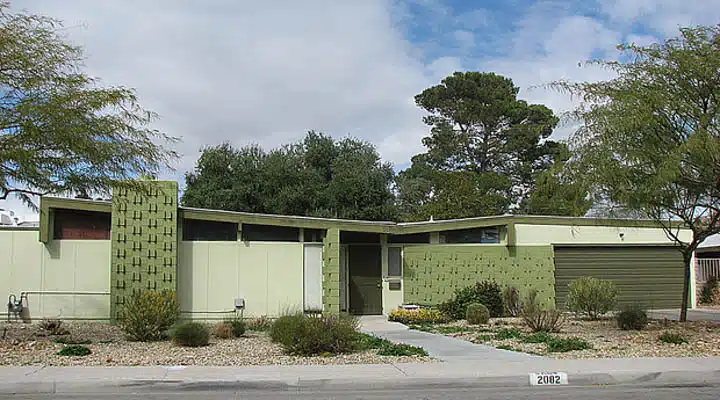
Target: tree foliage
x=60, y=132
x=318, y=176
x=484, y=151
x=651, y=139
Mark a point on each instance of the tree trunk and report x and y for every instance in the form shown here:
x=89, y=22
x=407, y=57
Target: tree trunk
x=687, y=259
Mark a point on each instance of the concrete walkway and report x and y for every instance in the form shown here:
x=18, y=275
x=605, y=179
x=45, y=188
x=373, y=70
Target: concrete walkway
x=442, y=347
x=699, y=314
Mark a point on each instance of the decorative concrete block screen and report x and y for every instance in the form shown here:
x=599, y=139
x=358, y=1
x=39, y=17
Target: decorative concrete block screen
x=331, y=271
x=144, y=241
x=432, y=273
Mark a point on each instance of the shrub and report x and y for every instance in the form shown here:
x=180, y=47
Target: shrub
x=148, y=315
x=71, y=340
x=486, y=292
x=53, y=327
x=369, y=342
x=307, y=335
x=562, y=345
x=477, y=314
x=74, y=351
x=672, y=338
x=418, y=317
x=508, y=333
x=223, y=330
x=260, y=324
x=190, y=334
x=591, y=296
x=511, y=301
x=539, y=319
x=632, y=318
x=538, y=337
x=400, y=350
x=708, y=290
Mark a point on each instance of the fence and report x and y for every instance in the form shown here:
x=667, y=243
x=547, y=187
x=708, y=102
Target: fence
x=706, y=268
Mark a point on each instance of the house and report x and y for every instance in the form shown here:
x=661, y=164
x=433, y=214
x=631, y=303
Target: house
x=87, y=257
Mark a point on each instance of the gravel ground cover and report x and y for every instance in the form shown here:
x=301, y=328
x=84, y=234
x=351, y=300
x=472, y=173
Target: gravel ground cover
x=27, y=344
x=606, y=339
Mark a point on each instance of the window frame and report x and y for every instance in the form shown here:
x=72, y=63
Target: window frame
x=402, y=260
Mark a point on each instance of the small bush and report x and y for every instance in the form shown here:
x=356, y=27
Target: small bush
x=511, y=301
x=562, y=345
x=672, y=338
x=418, y=317
x=707, y=294
x=53, y=327
x=402, y=350
x=74, y=351
x=632, y=318
x=539, y=319
x=71, y=340
x=148, y=315
x=505, y=333
x=260, y=324
x=477, y=314
x=370, y=342
x=538, y=337
x=191, y=334
x=307, y=335
x=223, y=330
x=237, y=326
x=484, y=338
x=486, y=292
x=591, y=296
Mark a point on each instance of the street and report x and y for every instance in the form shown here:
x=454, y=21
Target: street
x=635, y=392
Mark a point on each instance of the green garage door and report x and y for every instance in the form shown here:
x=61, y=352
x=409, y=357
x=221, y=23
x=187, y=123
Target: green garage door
x=649, y=276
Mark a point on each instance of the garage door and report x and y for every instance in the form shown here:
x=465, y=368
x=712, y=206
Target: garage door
x=649, y=276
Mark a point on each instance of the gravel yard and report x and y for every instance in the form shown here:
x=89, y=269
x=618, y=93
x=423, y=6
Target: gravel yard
x=606, y=339
x=26, y=344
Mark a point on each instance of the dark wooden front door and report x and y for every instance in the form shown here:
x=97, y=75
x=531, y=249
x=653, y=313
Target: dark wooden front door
x=365, y=269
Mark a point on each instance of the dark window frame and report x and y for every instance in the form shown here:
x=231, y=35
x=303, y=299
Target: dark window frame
x=487, y=235
x=270, y=233
x=199, y=230
x=71, y=224
x=399, y=252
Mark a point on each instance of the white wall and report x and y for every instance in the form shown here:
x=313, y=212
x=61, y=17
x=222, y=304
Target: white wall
x=567, y=234
x=62, y=265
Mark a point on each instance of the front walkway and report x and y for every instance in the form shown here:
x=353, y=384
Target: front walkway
x=442, y=347
x=699, y=314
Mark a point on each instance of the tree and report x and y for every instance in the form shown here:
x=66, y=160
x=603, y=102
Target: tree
x=484, y=150
x=650, y=141
x=315, y=177
x=59, y=131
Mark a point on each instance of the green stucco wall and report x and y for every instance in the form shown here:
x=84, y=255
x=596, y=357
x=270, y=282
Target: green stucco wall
x=144, y=241
x=331, y=271
x=432, y=273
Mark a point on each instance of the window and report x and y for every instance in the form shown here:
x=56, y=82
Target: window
x=411, y=238
x=474, y=235
x=270, y=233
x=199, y=230
x=313, y=235
x=349, y=237
x=395, y=262
x=81, y=225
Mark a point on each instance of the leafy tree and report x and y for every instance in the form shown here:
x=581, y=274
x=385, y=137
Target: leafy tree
x=651, y=139
x=484, y=150
x=60, y=132
x=315, y=177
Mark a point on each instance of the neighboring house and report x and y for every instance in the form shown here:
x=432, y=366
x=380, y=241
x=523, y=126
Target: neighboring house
x=707, y=262
x=87, y=257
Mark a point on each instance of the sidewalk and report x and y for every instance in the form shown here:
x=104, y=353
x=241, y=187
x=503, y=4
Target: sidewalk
x=647, y=371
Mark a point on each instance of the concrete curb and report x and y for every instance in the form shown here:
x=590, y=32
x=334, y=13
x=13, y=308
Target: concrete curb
x=646, y=379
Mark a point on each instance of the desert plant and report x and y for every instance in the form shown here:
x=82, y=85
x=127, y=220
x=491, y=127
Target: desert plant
x=508, y=333
x=400, y=350
x=708, y=290
x=562, y=345
x=540, y=319
x=71, y=340
x=632, y=318
x=307, y=335
x=190, y=334
x=223, y=330
x=260, y=324
x=418, y=317
x=53, y=327
x=672, y=338
x=74, y=351
x=477, y=314
x=511, y=301
x=538, y=337
x=238, y=326
x=148, y=315
x=485, y=292
x=369, y=342
x=591, y=296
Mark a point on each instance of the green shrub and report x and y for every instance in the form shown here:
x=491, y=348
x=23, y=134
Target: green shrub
x=562, y=345
x=511, y=301
x=74, y=351
x=672, y=338
x=591, y=296
x=191, y=334
x=539, y=319
x=148, y=315
x=307, y=335
x=708, y=290
x=486, y=292
x=484, y=338
x=238, y=326
x=71, y=340
x=477, y=314
x=632, y=318
x=505, y=333
x=421, y=316
x=370, y=342
x=400, y=350
x=538, y=337
x=53, y=327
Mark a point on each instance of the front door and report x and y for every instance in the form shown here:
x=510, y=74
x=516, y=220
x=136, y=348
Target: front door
x=365, y=270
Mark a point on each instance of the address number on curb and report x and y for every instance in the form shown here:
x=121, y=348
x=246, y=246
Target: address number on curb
x=548, y=378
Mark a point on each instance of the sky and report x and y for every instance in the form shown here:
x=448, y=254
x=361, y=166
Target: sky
x=266, y=72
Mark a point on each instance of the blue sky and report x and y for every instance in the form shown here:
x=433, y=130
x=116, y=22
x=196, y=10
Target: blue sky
x=266, y=72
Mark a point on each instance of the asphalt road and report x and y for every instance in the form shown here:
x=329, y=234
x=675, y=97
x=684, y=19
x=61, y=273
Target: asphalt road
x=466, y=393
